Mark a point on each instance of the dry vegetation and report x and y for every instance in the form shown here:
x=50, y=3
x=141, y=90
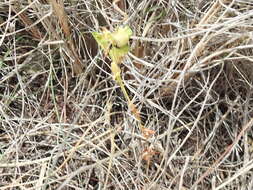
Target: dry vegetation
x=64, y=122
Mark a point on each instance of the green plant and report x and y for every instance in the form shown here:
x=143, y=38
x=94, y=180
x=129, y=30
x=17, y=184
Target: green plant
x=116, y=44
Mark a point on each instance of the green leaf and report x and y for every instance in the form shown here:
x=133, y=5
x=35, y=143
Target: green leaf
x=117, y=54
x=103, y=39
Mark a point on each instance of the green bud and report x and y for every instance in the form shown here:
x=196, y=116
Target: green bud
x=121, y=36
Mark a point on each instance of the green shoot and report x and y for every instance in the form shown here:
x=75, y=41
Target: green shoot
x=117, y=45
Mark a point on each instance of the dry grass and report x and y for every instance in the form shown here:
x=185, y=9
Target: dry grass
x=64, y=123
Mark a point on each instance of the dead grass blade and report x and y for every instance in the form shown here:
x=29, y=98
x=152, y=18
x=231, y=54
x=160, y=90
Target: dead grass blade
x=225, y=154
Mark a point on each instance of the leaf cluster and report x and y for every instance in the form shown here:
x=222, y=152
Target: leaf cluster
x=116, y=43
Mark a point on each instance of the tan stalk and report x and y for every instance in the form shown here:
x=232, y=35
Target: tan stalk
x=59, y=11
x=33, y=30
